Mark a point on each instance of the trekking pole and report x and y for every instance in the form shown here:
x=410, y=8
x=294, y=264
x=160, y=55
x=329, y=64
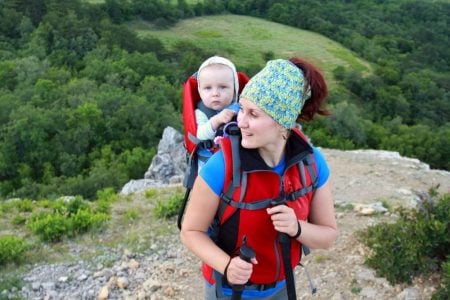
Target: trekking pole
x=245, y=253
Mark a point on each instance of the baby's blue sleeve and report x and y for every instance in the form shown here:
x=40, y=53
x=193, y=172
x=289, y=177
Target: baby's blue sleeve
x=234, y=107
x=323, y=171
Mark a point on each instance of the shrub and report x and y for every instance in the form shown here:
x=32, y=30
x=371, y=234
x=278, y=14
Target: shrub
x=25, y=205
x=75, y=205
x=104, y=199
x=418, y=243
x=84, y=221
x=132, y=214
x=10, y=281
x=168, y=208
x=67, y=219
x=150, y=193
x=12, y=249
x=50, y=227
x=18, y=220
x=444, y=288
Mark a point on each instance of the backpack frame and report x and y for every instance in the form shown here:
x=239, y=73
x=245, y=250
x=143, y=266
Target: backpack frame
x=192, y=144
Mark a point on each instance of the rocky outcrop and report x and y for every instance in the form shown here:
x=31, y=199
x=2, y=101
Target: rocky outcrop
x=167, y=167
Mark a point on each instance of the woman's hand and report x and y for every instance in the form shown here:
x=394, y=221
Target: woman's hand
x=239, y=271
x=283, y=219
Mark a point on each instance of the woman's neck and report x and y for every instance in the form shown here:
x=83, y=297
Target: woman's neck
x=273, y=155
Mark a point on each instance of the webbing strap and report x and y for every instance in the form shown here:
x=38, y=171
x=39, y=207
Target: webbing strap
x=301, y=166
x=285, y=242
x=191, y=171
x=249, y=206
x=236, y=160
x=312, y=172
x=200, y=144
x=228, y=200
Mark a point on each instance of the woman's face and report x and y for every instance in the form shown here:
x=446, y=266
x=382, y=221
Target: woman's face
x=258, y=129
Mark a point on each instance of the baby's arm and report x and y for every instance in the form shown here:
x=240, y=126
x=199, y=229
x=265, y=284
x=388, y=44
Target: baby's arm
x=204, y=128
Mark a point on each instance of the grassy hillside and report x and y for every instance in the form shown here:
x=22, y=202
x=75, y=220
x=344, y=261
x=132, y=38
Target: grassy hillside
x=245, y=39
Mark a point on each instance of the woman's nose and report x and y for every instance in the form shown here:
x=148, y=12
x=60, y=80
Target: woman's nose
x=241, y=120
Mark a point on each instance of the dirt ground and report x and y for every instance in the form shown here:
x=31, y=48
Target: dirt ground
x=358, y=177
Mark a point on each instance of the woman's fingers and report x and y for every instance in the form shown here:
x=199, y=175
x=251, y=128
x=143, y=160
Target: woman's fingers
x=239, y=271
x=283, y=218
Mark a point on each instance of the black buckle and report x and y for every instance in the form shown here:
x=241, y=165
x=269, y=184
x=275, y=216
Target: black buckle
x=206, y=144
x=261, y=287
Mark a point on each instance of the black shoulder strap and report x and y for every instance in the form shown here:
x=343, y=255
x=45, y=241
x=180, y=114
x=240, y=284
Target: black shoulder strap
x=209, y=112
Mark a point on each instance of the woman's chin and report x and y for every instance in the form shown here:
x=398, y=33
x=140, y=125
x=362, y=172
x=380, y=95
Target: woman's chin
x=247, y=144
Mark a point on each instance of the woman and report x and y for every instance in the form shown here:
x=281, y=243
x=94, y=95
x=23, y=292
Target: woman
x=274, y=158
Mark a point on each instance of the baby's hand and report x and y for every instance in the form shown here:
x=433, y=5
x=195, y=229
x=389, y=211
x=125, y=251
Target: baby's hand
x=223, y=117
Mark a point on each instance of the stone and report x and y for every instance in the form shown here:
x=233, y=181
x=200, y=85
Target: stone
x=122, y=282
x=103, y=294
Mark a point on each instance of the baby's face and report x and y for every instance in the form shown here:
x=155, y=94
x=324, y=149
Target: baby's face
x=216, y=86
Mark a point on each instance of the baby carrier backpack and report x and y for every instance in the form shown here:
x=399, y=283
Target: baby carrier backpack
x=243, y=200
x=191, y=101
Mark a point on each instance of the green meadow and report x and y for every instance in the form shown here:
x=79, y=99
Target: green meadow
x=246, y=39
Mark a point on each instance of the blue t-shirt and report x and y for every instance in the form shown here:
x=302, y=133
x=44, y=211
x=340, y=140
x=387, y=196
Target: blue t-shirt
x=213, y=172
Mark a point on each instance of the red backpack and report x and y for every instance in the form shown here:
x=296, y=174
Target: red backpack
x=243, y=201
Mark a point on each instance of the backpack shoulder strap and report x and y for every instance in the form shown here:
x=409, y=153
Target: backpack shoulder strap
x=209, y=112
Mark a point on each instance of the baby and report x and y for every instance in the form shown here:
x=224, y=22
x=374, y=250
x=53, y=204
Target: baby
x=218, y=87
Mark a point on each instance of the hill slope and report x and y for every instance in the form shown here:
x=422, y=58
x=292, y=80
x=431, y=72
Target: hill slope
x=245, y=39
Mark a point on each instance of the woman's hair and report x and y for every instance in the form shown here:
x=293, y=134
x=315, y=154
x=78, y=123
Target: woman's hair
x=319, y=90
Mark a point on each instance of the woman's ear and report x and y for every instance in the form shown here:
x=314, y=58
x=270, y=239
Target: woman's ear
x=284, y=132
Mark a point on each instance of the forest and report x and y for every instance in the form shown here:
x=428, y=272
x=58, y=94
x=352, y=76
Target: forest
x=84, y=99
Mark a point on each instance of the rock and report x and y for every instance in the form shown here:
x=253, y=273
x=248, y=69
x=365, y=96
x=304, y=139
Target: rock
x=104, y=292
x=369, y=293
x=133, y=265
x=122, y=282
x=409, y=294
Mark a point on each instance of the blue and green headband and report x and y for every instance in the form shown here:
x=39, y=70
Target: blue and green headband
x=279, y=90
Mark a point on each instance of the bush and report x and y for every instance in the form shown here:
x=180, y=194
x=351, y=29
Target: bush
x=10, y=281
x=168, y=208
x=444, y=288
x=50, y=227
x=12, y=249
x=84, y=221
x=67, y=219
x=418, y=243
x=104, y=199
